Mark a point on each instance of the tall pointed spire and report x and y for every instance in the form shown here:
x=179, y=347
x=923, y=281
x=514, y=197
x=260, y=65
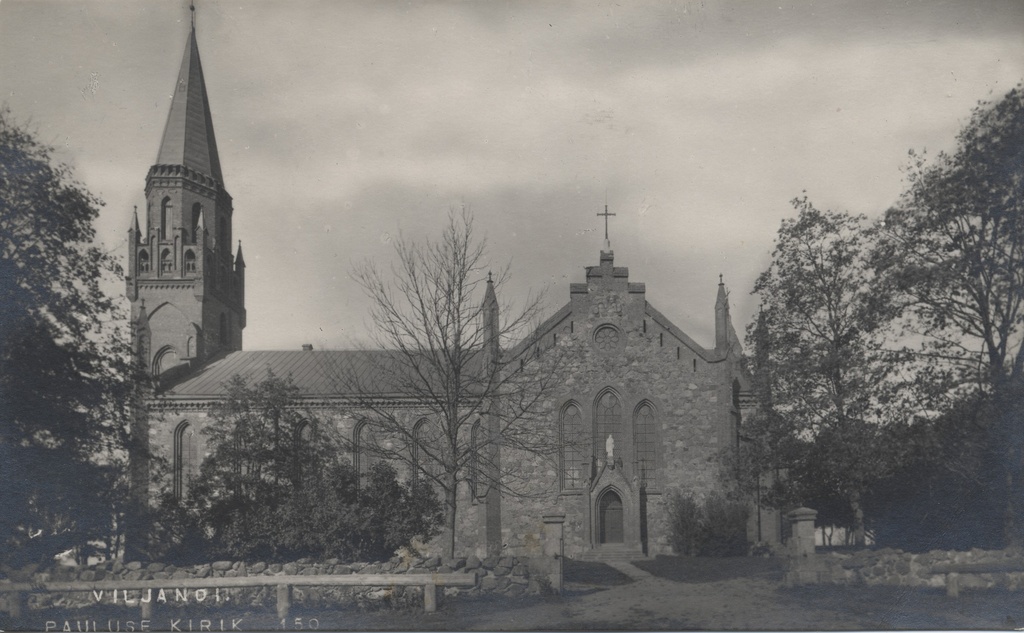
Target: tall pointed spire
x=188, y=137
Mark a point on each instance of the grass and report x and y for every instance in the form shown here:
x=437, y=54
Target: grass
x=881, y=608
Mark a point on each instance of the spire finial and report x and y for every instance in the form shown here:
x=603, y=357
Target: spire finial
x=606, y=215
x=192, y=8
x=720, y=281
x=489, y=277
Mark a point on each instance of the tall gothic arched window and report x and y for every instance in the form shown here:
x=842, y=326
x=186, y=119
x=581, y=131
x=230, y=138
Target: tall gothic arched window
x=190, y=261
x=143, y=261
x=607, y=421
x=185, y=457
x=573, y=447
x=303, y=445
x=166, y=261
x=363, y=457
x=425, y=448
x=644, y=446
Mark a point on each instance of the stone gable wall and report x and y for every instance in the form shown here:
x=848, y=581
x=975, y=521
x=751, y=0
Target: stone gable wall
x=691, y=397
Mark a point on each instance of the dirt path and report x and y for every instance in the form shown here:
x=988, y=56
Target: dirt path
x=651, y=603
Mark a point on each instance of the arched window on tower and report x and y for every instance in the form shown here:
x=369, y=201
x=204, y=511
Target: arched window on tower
x=644, y=445
x=197, y=211
x=185, y=457
x=143, y=261
x=223, y=240
x=224, y=329
x=211, y=270
x=166, y=261
x=607, y=421
x=190, y=261
x=573, y=448
x=166, y=216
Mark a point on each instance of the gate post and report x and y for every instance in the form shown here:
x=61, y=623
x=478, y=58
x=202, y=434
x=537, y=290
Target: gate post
x=802, y=540
x=554, y=548
x=284, y=601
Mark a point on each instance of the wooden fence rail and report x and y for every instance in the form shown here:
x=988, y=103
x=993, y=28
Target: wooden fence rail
x=429, y=582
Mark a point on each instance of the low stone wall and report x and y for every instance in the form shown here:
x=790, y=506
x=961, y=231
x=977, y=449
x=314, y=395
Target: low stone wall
x=974, y=569
x=496, y=575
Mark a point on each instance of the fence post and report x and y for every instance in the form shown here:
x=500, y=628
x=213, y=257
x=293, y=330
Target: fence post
x=284, y=601
x=429, y=598
x=554, y=547
x=14, y=602
x=953, y=585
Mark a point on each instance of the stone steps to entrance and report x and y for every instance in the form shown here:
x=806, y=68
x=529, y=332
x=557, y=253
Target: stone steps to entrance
x=613, y=553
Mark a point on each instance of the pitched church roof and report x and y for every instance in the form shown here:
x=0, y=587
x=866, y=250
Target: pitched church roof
x=188, y=137
x=316, y=374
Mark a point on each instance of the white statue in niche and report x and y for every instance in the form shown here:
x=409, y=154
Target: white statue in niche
x=609, y=447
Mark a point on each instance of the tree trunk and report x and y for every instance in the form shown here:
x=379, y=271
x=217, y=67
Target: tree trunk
x=450, y=495
x=858, y=520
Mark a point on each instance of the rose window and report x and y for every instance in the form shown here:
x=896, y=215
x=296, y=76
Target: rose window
x=607, y=338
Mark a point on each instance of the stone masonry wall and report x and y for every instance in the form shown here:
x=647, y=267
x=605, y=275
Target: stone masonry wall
x=976, y=569
x=509, y=576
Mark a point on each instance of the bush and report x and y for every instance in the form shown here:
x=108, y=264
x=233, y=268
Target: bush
x=336, y=519
x=718, y=527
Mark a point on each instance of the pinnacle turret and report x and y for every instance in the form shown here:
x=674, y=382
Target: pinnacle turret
x=725, y=334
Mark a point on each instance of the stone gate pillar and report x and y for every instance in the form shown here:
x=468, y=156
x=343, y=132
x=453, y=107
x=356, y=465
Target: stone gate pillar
x=801, y=543
x=554, y=548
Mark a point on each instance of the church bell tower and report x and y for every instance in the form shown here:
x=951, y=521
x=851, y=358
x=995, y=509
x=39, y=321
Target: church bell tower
x=186, y=289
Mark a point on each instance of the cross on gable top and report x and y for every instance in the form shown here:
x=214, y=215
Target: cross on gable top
x=605, y=215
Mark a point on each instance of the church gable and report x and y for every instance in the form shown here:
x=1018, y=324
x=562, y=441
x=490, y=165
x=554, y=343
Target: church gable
x=636, y=384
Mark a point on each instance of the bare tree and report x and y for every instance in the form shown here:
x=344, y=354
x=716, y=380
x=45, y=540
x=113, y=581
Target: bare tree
x=438, y=394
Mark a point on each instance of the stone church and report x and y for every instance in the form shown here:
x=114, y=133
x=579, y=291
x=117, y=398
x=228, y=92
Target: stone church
x=657, y=411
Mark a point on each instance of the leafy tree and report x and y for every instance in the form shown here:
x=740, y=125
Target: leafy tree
x=951, y=253
x=276, y=486
x=818, y=367
x=65, y=371
x=439, y=329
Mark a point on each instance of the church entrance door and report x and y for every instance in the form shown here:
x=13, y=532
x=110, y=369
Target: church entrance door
x=610, y=517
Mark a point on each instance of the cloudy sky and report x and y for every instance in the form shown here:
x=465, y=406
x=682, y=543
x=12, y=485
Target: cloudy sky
x=341, y=125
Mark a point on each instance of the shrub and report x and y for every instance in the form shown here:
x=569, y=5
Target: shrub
x=684, y=524
x=718, y=527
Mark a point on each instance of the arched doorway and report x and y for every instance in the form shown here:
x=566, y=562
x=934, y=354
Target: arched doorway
x=609, y=513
